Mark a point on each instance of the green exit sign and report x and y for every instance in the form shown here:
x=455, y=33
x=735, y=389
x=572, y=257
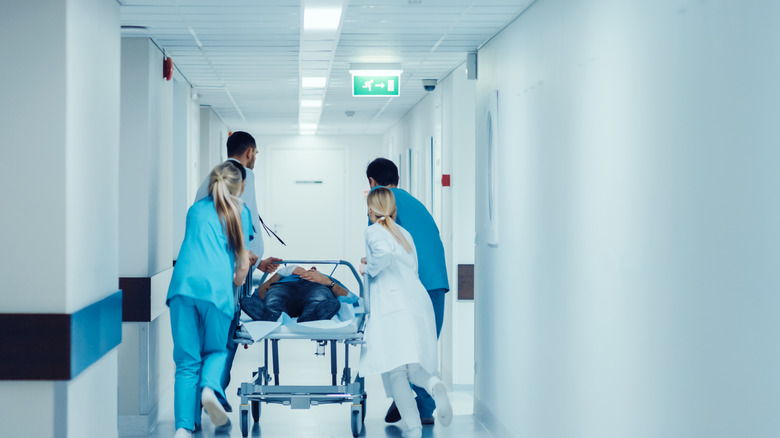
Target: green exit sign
x=375, y=85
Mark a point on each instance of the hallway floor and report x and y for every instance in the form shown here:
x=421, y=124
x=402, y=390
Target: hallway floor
x=299, y=366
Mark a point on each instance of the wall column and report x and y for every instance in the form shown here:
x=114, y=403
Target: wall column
x=146, y=234
x=60, y=319
x=213, y=138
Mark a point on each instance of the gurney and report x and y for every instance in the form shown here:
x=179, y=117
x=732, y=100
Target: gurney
x=346, y=327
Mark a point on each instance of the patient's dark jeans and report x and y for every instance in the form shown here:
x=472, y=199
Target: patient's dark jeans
x=307, y=300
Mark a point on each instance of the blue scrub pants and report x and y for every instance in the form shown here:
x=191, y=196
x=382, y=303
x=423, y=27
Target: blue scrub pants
x=425, y=403
x=232, y=347
x=230, y=357
x=199, y=350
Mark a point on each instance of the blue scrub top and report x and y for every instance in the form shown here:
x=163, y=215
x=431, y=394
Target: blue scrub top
x=205, y=267
x=414, y=217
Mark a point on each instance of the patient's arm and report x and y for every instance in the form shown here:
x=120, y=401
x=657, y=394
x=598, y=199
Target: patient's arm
x=315, y=277
x=339, y=291
x=263, y=288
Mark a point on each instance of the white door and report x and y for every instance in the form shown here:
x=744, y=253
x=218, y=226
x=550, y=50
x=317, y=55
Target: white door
x=306, y=204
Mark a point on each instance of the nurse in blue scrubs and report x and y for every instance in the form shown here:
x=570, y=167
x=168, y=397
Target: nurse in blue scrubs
x=200, y=296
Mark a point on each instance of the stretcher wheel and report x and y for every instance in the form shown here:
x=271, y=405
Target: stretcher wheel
x=362, y=383
x=256, y=410
x=244, y=422
x=357, y=423
x=358, y=417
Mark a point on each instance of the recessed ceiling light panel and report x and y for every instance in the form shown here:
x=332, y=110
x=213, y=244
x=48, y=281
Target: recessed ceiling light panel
x=321, y=18
x=311, y=103
x=313, y=81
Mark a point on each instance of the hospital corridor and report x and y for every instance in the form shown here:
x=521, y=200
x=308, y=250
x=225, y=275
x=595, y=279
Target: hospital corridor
x=389, y=218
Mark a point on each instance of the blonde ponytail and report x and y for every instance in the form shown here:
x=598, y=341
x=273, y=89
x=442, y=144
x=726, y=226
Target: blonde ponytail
x=381, y=203
x=225, y=185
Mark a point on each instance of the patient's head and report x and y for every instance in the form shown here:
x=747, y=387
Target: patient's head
x=298, y=270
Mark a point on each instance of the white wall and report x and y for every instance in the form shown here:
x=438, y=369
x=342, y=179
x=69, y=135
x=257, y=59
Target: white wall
x=22, y=113
x=92, y=158
x=632, y=292
x=152, y=170
x=360, y=150
x=88, y=393
x=213, y=144
x=181, y=97
x=458, y=107
x=186, y=159
x=146, y=220
x=59, y=130
x=18, y=419
x=447, y=114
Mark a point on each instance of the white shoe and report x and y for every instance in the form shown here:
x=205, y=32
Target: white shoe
x=415, y=432
x=443, y=406
x=183, y=433
x=213, y=407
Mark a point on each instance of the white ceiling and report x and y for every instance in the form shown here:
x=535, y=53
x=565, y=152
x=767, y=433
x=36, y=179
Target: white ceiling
x=253, y=53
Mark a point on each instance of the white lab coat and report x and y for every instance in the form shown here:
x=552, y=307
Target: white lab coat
x=402, y=327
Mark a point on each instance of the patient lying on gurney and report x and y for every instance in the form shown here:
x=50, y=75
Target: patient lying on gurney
x=307, y=295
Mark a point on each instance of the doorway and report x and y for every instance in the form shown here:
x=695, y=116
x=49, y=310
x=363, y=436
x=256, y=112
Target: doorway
x=307, y=203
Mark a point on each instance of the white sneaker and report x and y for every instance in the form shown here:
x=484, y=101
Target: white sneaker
x=443, y=406
x=183, y=433
x=213, y=407
x=415, y=432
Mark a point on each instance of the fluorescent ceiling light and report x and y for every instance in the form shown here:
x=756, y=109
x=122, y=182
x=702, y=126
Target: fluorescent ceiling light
x=313, y=81
x=311, y=103
x=321, y=18
x=376, y=69
x=376, y=72
x=307, y=126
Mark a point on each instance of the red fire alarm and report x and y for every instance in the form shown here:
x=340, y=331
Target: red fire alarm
x=445, y=180
x=167, y=68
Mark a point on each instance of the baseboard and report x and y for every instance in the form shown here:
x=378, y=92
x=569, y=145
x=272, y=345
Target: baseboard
x=491, y=423
x=138, y=424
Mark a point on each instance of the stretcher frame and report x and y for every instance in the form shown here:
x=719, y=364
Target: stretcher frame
x=304, y=396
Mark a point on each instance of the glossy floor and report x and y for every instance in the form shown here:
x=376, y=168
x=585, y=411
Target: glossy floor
x=300, y=366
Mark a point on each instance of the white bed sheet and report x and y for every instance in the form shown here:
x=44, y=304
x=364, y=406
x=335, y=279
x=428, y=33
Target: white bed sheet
x=345, y=322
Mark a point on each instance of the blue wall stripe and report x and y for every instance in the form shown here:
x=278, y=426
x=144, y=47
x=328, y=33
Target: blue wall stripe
x=56, y=346
x=94, y=331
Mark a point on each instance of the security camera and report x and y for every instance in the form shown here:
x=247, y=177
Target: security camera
x=429, y=84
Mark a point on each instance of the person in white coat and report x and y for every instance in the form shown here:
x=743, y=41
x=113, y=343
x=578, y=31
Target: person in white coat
x=400, y=338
